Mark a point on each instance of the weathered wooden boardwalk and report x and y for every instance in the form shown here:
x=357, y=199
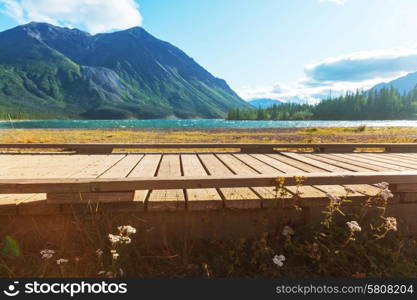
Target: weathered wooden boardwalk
x=33, y=183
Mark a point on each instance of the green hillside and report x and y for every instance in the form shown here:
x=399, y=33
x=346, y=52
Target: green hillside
x=53, y=72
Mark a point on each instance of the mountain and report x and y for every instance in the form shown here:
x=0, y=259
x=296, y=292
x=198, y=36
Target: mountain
x=403, y=84
x=53, y=72
x=264, y=102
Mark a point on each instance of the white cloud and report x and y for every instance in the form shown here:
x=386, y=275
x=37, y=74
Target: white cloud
x=280, y=91
x=365, y=65
x=340, y=2
x=354, y=71
x=93, y=15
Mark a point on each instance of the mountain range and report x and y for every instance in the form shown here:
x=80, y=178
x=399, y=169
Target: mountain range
x=264, y=102
x=53, y=72
x=403, y=84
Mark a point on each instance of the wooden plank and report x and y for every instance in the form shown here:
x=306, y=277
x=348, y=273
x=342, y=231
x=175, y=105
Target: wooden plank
x=313, y=162
x=240, y=168
x=14, y=167
x=27, y=166
x=283, y=167
x=305, y=193
x=98, y=166
x=407, y=187
x=63, y=167
x=339, y=191
x=309, y=160
x=69, y=185
x=199, y=199
x=256, y=164
x=410, y=156
x=172, y=199
x=332, y=160
x=316, y=191
x=93, y=168
x=361, y=158
x=123, y=167
x=365, y=189
x=297, y=164
x=120, y=169
x=147, y=167
x=402, y=156
x=347, y=164
x=20, y=165
x=361, y=166
x=391, y=160
x=239, y=197
x=76, y=198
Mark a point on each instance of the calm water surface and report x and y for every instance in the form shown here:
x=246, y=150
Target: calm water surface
x=195, y=124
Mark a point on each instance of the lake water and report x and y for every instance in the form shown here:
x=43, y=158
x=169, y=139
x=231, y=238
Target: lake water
x=195, y=124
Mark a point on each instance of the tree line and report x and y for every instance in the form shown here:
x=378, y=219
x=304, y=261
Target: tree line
x=383, y=104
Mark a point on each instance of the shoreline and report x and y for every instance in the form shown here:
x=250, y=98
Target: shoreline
x=213, y=135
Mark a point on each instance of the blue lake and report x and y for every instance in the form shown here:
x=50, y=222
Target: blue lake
x=195, y=124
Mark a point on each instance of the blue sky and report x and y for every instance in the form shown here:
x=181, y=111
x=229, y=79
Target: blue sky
x=262, y=48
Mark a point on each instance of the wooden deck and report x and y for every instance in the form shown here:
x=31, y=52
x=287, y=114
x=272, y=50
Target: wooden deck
x=196, y=181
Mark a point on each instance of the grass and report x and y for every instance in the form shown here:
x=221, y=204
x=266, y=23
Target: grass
x=303, y=135
x=329, y=248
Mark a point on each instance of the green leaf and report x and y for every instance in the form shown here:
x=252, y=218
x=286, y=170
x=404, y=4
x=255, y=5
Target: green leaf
x=11, y=247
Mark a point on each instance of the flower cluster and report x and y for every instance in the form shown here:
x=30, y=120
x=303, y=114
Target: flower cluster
x=391, y=223
x=62, y=261
x=382, y=185
x=47, y=253
x=279, y=260
x=353, y=226
x=123, y=236
x=119, y=239
x=127, y=229
x=385, y=191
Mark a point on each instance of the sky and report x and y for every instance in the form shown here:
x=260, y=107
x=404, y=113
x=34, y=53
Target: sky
x=280, y=49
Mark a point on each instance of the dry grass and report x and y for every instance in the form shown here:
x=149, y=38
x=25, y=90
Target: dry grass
x=304, y=135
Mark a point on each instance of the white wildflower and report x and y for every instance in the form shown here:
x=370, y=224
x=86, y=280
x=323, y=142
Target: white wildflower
x=114, y=239
x=99, y=252
x=386, y=194
x=287, y=231
x=353, y=226
x=391, y=223
x=114, y=254
x=127, y=229
x=382, y=185
x=332, y=197
x=279, y=260
x=126, y=240
x=47, y=253
x=62, y=261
